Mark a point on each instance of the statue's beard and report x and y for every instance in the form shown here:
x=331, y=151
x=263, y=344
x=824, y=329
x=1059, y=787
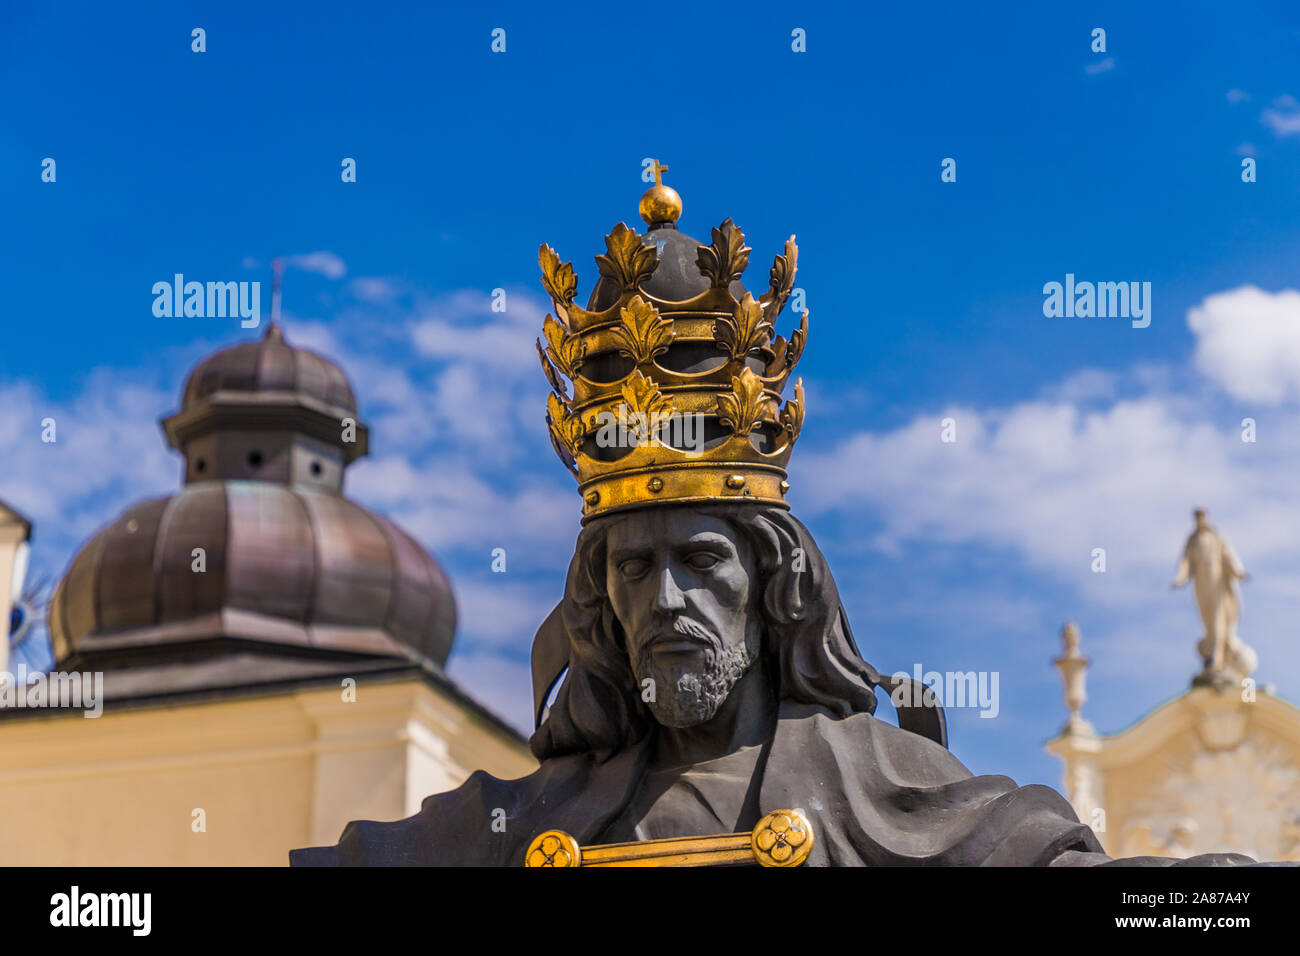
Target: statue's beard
x=689, y=691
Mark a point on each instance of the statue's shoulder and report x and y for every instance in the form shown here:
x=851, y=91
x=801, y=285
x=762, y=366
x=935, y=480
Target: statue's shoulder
x=814, y=728
x=881, y=795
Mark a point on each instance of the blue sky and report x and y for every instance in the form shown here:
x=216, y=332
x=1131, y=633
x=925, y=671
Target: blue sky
x=925, y=297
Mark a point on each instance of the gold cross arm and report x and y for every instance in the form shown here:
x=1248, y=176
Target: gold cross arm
x=781, y=838
x=659, y=172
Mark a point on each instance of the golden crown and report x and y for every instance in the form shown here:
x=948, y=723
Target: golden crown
x=676, y=374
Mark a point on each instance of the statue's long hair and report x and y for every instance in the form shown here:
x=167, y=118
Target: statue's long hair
x=807, y=646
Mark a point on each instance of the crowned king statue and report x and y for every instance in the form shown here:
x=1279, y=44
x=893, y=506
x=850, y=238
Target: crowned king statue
x=712, y=706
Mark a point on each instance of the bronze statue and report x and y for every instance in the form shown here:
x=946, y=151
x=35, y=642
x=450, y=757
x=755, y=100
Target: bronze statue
x=712, y=704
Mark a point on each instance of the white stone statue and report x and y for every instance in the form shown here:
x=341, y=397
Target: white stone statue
x=1215, y=570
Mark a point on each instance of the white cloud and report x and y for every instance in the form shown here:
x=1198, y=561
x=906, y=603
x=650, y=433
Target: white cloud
x=1238, y=96
x=374, y=289
x=1044, y=479
x=313, y=336
x=494, y=345
x=463, y=327
x=1283, y=117
x=1248, y=342
x=1101, y=66
x=460, y=454
x=322, y=263
x=448, y=503
x=1086, y=385
x=108, y=452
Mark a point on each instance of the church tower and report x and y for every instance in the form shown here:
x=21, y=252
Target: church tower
x=271, y=652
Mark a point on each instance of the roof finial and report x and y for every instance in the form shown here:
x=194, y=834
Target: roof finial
x=1073, y=666
x=277, y=269
x=273, y=330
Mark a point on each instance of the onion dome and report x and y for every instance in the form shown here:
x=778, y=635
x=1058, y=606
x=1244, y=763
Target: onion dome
x=260, y=546
x=259, y=561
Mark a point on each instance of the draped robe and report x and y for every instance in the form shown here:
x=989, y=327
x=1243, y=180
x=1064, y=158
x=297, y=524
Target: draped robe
x=875, y=794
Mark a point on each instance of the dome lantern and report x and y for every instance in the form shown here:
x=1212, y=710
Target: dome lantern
x=267, y=411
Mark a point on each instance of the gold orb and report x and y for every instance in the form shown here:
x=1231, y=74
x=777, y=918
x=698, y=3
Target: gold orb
x=660, y=204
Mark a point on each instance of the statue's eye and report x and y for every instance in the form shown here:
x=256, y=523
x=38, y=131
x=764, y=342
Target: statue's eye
x=634, y=568
x=702, y=560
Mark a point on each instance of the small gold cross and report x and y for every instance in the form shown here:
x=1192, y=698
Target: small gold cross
x=659, y=171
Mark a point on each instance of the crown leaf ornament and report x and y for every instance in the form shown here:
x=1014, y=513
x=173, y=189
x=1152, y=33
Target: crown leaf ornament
x=667, y=387
x=644, y=333
x=627, y=262
x=727, y=258
x=743, y=409
x=745, y=330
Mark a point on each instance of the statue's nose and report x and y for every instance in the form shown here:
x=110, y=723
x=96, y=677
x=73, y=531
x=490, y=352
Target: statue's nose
x=669, y=599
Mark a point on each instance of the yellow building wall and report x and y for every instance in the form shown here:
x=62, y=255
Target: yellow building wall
x=270, y=774
x=1208, y=772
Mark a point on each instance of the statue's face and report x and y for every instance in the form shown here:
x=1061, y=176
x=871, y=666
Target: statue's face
x=684, y=589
